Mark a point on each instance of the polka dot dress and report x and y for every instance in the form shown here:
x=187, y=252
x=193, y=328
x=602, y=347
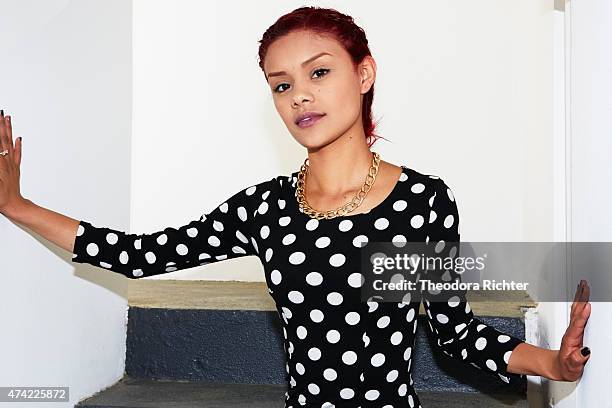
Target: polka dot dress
x=340, y=351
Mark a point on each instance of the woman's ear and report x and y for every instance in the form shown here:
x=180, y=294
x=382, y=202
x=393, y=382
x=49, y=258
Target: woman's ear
x=367, y=72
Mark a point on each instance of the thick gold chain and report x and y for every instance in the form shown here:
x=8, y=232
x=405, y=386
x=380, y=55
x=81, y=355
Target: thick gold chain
x=346, y=208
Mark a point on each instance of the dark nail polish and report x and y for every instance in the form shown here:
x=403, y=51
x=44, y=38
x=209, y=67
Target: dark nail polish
x=585, y=351
x=2, y=112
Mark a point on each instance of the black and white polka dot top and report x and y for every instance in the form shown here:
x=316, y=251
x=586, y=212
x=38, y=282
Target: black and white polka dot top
x=340, y=351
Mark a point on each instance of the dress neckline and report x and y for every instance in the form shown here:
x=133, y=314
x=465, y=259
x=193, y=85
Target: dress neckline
x=384, y=203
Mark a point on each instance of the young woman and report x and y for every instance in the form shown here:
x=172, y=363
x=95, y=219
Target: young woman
x=307, y=228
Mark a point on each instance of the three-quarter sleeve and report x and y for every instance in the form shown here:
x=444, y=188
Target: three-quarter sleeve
x=458, y=333
x=226, y=232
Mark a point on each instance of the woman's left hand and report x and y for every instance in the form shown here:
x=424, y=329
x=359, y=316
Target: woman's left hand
x=572, y=356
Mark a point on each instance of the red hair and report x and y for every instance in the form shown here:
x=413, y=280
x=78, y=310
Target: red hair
x=332, y=23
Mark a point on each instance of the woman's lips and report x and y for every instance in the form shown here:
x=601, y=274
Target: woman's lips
x=309, y=122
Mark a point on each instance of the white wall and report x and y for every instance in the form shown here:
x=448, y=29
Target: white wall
x=591, y=198
x=65, y=77
x=464, y=90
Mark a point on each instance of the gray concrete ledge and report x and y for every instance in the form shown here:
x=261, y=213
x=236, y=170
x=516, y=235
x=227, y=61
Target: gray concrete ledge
x=235, y=295
x=133, y=393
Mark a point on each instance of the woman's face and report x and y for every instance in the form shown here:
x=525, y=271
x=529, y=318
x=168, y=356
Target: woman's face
x=327, y=85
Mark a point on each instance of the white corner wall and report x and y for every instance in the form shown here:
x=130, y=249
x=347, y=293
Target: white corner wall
x=65, y=78
x=590, y=125
x=461, y=91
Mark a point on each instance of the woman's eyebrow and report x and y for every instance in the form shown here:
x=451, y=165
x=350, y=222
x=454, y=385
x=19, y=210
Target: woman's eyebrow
x=271, y=74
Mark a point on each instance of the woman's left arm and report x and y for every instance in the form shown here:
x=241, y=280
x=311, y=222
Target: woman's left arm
x=567, y=363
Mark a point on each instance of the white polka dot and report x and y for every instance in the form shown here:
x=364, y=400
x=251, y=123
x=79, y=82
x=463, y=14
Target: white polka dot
x=507, y=356
x=288, y=239
x=481, y=343
x=242, y=214
x=349, y=357
x=297, y=258
x=450, y=194
x=432, y=216
x=322, y=242
x=491, y=364
x=333, y=336
x=417, y=188
x=275, y=277
x=396, y=338
x=296, y=296
x=449, y=220
x=360, y=241
x=371, y=395
x=383, y=322
x=381, y=223
x=392, y=375
x=314, y=353
x=356, y=280
x=313, y=389
x=453, y=301
x=301, y=332
x=330, y=374
x=352, y=318
x=400, y=205
x=347, y=393
x=442, y=318
x=337, y=260
x=181, y=249
x=345, y=225
x=334, y=298
x=416, y=221
x=214, y=241
x=377, y=359
x=314, y=278
x=92, y=249
x=112, y=238
x=316, y=316
x=502, y=338
x=312, y=224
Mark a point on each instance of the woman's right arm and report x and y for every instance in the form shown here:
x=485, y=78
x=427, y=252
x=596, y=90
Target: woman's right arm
x=51, y=225
x=225, y=232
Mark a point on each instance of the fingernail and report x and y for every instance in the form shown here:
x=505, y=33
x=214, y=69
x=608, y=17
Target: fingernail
x=2, y=112
x=585, y=351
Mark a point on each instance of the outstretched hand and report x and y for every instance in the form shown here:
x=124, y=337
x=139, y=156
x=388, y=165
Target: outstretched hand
x=10, y=161
x=572, y=355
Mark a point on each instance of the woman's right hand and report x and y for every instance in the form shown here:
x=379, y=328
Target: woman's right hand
x=10, y=196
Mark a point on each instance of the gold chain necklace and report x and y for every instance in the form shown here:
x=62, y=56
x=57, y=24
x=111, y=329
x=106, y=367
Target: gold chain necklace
x=346, y=208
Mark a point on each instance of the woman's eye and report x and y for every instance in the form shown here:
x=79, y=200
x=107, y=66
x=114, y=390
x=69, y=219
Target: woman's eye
x=322, y=69
x=325, y=71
